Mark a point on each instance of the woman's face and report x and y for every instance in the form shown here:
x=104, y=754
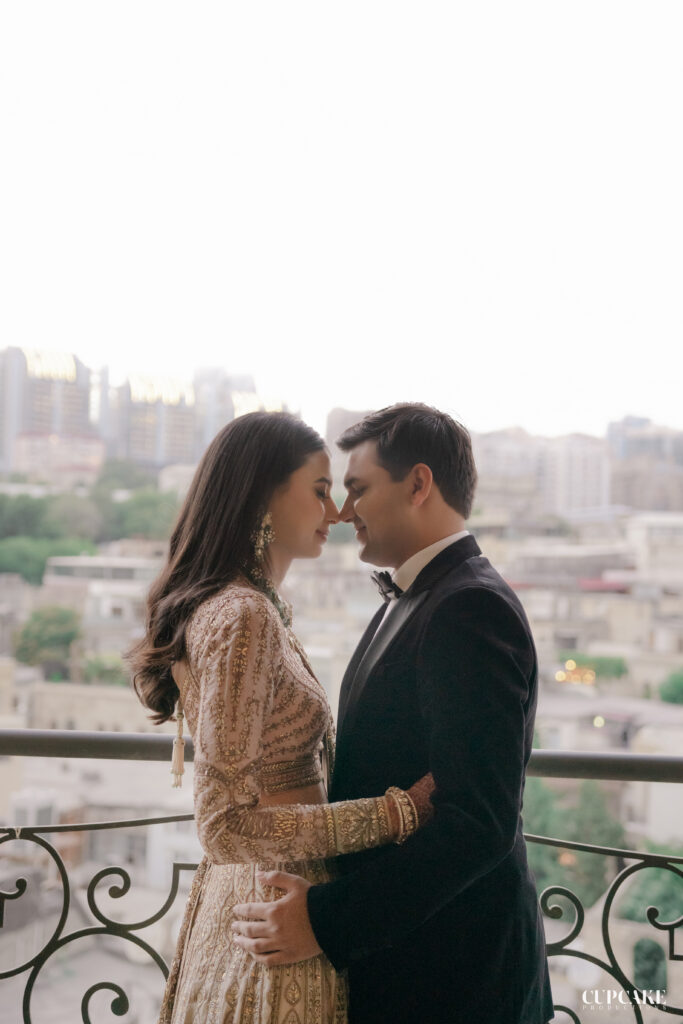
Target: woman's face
x=302, y=510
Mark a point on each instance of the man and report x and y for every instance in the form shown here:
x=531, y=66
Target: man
x=446, y=927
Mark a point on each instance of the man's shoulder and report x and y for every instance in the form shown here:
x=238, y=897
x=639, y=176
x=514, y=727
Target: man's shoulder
x=475, y=572
x=475, y=581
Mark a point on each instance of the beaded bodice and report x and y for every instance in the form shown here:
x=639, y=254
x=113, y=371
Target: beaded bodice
x=258, y=718
x=292, y=710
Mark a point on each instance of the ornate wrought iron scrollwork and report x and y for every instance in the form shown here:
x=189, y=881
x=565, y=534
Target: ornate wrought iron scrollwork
x=120, y=885
x=66, y=894
x=21, y=884
x=119, y=1004
x=570, y=1013
x=106, y=927
x=554, y=910
x=667, y=926
x=610, y=965
x=652, y=914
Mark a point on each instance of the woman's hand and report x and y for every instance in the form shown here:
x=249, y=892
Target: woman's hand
x=420, y=793
x=418, y=799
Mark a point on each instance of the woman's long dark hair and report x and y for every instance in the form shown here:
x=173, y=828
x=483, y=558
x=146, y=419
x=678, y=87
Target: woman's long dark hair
x=211, y=543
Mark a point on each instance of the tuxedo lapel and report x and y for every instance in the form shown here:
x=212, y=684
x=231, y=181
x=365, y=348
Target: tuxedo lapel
x=371, y=649
x=407, y=606
x=356, y=658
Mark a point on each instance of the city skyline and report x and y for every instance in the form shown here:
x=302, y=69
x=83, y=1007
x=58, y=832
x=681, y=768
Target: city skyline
x=179, y=383
x=478, y=207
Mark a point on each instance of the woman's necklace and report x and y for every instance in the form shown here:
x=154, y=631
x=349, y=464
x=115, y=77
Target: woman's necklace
x=259, y=579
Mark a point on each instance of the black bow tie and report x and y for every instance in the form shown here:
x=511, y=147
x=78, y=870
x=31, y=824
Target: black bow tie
x=386, y=586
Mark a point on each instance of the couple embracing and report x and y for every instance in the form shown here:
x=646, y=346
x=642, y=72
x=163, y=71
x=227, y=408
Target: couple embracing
x=385, y=880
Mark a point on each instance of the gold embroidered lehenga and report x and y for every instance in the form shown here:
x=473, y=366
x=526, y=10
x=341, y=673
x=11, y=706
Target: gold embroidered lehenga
x=258, y=719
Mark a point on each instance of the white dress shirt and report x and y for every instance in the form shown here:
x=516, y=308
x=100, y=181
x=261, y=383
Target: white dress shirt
x=413, y=566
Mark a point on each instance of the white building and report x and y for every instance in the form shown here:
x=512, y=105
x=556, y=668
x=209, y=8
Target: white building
x=108, y=591
x=575, y=474
x=656, y=539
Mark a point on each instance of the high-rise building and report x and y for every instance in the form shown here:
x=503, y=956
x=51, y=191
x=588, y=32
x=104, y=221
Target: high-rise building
x=647, y=484
x=647, y=465
x=634, y=437
x=619, y=432
x=59, y=419
x=531, y=476
x=45, y=398
x=575, y=475
x=219, y=398
x=509, y=469
x=339, y=420
x=152, y=422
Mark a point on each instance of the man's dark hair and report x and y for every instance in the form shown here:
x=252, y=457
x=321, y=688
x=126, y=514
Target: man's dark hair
x=411, y=432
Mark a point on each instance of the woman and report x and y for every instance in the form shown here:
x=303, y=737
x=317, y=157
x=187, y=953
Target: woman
x=219, y=645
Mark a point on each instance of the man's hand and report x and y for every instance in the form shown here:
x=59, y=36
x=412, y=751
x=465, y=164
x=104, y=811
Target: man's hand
x=278, y=932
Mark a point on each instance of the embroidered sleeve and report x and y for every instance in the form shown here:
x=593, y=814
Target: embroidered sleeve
x=239, y=670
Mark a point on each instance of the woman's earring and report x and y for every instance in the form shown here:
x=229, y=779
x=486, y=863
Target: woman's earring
x=263, y=536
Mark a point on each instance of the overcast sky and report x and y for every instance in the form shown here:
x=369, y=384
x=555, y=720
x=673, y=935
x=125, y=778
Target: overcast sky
x=478, y=205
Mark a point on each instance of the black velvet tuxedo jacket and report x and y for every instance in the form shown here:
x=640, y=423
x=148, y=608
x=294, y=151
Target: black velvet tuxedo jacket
x=445, y=928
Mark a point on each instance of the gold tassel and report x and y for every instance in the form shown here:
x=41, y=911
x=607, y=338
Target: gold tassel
x=178, y=762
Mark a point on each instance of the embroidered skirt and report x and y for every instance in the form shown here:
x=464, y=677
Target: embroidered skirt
x=214, y=981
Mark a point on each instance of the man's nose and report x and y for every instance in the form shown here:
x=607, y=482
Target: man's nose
x=346, y=512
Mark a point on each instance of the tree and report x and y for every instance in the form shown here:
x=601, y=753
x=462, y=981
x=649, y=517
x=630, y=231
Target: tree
x=28, y=555
x=655, y=887
x=592, y=823
x=542, y=817
x=62, y=515
x=48, y=635
x=108, y=669
x=147, y=513
x=111, y=517
x=606, y=667
x=22, y=515
x=671, y=689
x=649, y=965
x=150, y=514
x=68, y=515
x=119, y=474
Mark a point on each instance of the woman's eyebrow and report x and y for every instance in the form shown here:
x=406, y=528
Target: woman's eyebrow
x=324, y=480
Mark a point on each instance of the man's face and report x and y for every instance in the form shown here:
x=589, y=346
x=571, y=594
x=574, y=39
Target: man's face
x=377, y=506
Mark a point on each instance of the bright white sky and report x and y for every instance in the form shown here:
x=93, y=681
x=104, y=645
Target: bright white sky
x=474, y=204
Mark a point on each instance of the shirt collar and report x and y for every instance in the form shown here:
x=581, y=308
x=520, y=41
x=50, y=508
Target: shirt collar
x=413, y=566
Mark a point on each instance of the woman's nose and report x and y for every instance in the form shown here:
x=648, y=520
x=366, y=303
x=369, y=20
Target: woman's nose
x=332, y=512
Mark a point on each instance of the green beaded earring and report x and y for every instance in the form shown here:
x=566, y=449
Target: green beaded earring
x=262, y=536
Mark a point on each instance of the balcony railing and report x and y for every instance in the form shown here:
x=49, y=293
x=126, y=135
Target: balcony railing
x=624, y=995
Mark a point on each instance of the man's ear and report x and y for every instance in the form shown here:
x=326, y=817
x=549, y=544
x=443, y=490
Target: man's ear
x=421, y=482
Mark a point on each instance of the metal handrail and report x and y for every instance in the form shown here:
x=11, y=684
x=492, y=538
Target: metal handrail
x=142, y=746
x=24, y=831
x=146, y=747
